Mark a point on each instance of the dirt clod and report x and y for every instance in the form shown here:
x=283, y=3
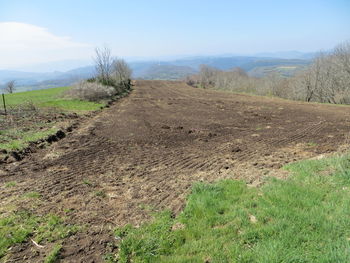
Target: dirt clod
x=236, y=149
x=60, y=134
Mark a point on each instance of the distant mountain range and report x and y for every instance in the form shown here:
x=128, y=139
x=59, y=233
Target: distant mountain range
x=288, y=55
x=34, y=80
x=261, y=64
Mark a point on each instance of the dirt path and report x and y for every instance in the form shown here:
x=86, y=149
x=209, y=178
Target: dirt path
x=148, y=149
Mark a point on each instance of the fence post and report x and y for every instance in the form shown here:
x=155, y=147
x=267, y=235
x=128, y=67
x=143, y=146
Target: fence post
x=3, y=100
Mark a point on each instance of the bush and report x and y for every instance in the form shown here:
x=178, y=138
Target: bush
x=91, y=91
x=113, y=77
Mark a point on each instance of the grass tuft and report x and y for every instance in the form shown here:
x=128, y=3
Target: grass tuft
x=10, y=184
x=100, y=193
x=32, y=195
x=54, y=254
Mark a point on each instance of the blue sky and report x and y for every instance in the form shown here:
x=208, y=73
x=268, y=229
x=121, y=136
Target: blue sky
x=154, y=28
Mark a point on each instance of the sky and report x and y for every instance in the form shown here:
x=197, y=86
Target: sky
x=41, y=31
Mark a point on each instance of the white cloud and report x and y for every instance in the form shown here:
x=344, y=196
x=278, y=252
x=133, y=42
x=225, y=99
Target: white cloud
x=22, y=44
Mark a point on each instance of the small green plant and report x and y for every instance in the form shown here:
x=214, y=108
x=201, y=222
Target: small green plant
x=10, y=184
x=54, y=254
x=311, y=144
x=87, y=182
x=100, y=193
x=32, y=195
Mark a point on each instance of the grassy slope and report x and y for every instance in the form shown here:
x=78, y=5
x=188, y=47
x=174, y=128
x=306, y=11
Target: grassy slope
x=305, y=218
x=19, y=137
x=51, y=98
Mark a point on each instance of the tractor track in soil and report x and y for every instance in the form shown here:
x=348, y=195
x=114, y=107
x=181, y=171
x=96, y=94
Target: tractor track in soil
x=149, y=148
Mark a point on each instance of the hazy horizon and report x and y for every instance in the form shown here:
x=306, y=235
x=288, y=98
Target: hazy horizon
x=39, y=32
x=66, y=65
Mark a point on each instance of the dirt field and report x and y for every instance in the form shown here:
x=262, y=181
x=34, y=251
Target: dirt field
x=146, y=150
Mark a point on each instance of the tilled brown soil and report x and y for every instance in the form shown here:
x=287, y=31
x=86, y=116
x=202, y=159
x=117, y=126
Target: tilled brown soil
x=144, y=153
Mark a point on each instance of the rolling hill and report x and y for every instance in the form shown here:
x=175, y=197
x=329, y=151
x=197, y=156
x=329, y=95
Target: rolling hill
x=162, y=70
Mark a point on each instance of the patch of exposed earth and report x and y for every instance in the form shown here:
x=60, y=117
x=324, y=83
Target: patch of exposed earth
x=148, y=149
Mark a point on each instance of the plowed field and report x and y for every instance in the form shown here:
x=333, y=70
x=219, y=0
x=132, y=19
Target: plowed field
x=145, y=151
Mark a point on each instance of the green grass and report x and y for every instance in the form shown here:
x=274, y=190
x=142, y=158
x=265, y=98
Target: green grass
x=51, y=98
x=19, y=226
x=31, y=127
x=15, y=139
x=35, y=96
x=10, y=184
x=100, y=193
x=87, y=182
x=32, y=195
x=311, y=144
x=54, y=254
x=305, y=218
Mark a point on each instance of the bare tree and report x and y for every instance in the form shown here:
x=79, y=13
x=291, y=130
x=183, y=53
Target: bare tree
x=306, y=82
x=239, y=71
x=104, y=64
x=10, y=86
x=121, y=70
x=342, y=52
x=326, y=79
x=207, y=75
x=341, y=72
x=311, y=79
x=122, y=75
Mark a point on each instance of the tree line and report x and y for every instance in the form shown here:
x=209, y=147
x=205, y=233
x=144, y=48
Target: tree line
x=327, y=79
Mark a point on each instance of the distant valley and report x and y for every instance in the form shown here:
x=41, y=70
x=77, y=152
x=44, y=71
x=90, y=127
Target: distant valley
x=166, y=70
